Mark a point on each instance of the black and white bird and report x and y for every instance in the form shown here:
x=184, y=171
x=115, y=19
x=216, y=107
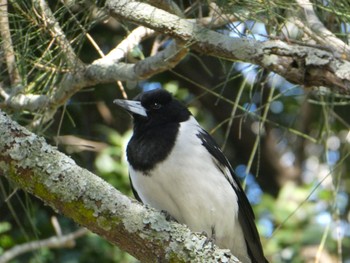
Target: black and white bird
x=177, y=167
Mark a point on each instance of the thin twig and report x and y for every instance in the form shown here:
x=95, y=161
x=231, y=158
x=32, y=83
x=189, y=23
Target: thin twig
x=133, y=39
x=129, y=43
x=57, y=33
x=52, y=242
x=260, y=130
x=56, y=226
x=313, y=190
x=7, y=44
x=3, y=93
x=96, y=46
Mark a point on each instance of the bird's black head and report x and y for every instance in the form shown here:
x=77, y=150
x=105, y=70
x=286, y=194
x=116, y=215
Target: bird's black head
x=157, y=117
x=154, y=108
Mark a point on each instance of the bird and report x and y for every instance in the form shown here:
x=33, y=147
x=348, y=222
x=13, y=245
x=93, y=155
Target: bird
x=177, y=167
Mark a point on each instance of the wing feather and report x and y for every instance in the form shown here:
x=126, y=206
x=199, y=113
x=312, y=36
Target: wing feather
x=245, y=214
x=136, y=195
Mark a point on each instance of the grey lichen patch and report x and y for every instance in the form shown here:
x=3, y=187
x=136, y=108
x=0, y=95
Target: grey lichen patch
x=58, y=173
x=343, y=71
x=109, y=200
x=96, y=195
x=195, y=242
x=20, y=149
x=161, y=229
x=9, y=131
x=224, y=255
x=273, y=47
x=180, y=233
x=195, y=247
x=157, y=221
x=133, y=221
x=269, y=60
x=49, y=149
x=317, y=58
x=184, y=243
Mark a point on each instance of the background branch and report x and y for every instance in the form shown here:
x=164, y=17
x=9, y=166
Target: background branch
x=129, y=43
x=52, y=242
x=103, y=70
x=298, y=64
x=325, y=36
x=57, y=33
x=7, y=45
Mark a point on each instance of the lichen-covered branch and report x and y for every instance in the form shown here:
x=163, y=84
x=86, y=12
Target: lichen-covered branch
x=299, y=64
x=105, y=70
x=325, y=36
x=169, y=6
x=38, y=168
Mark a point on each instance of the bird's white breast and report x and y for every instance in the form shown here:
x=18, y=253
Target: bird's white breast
x=193, y=190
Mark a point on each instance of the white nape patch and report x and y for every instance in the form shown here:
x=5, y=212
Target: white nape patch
x=191, y=188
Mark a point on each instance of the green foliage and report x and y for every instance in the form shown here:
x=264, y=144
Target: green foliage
x=6, y=240
x=111, y=162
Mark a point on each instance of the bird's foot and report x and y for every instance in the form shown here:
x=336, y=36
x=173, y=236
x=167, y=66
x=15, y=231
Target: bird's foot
x=210, y=238
x=168, y=216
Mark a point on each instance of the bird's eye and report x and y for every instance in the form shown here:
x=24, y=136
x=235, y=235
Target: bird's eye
x=156, y=106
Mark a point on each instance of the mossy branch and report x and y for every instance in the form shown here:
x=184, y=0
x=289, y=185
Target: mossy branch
x=38, y=168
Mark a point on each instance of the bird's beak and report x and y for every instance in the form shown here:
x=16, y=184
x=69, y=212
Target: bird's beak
x=132, y=106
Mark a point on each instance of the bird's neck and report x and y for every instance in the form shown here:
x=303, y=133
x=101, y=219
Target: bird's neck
x=150, y=146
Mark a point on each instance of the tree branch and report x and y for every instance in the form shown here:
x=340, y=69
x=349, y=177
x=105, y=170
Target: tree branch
x=325, y=36
x=103, y=70
x=52, y=242
x=39, y=169
x=168, y=5
x=299, y=64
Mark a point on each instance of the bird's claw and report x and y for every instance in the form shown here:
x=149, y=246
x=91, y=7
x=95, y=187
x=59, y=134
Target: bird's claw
x=210, y=239
x=168, y=216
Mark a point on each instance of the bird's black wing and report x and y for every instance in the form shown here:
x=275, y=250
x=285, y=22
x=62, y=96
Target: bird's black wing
x=245, y=214
x=134, y=191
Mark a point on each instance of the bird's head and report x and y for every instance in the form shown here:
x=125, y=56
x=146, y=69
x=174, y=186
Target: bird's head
x=156, y=107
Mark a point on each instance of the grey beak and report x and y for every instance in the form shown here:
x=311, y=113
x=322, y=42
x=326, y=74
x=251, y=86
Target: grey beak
x=132, y=106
